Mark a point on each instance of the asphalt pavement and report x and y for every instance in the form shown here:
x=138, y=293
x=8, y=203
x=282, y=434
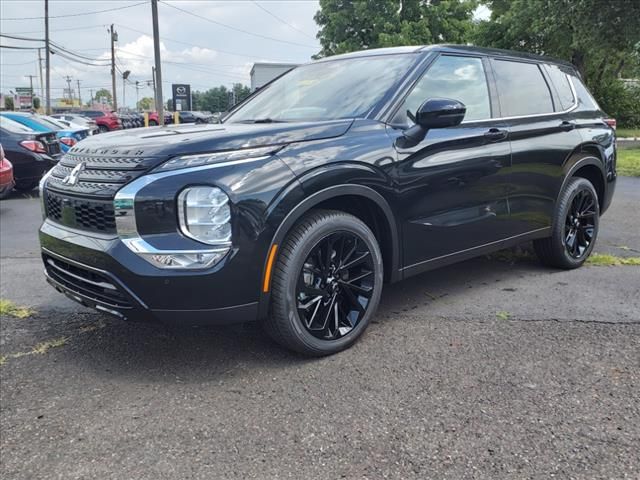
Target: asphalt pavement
x=493, y=368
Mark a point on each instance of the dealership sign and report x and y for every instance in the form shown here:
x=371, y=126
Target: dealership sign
x=181, y=97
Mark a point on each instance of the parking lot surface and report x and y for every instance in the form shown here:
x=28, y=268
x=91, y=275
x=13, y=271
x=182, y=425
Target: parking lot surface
x=492, y=368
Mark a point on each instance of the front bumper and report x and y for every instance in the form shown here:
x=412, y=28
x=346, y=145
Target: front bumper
x=91, y=270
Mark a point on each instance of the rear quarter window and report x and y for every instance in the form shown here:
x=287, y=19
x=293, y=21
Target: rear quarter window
x=559, y=78
x=585, y=99
x=522, y=89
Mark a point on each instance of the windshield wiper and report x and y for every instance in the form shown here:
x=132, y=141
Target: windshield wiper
x=262, y=120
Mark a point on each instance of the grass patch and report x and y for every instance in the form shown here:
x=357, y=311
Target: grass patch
x=603, y=259
x=44, y=347
x=629, y=162
x=10, y=309
x=3, y=360
x=503, y=315
x=627, y=132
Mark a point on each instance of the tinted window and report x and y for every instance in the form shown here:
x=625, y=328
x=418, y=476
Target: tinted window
x=327, y=90
x=585, y=99
x=522, y=89
x=460, y=78
x=561, y=82
x=13, y=126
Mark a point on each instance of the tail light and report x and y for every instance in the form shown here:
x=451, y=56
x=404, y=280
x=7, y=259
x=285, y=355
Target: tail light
x=34, y=146
x=68, y=141
x=611, y=122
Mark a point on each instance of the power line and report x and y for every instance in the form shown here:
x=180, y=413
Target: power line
x=201, y=46
x=76, y=14
x=281, y=19
x=236, y=28
x=88, y=27
x=19, y=48
x=26, y=39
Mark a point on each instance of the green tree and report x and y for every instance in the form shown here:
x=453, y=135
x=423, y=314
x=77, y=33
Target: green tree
x=103, y=92
x=8, y=103
x=146, y=103
x=348, y=25
x=219, y=99
x=600, y=38
x=36, y=103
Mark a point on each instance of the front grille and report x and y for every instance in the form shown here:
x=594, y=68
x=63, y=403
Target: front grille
x=88, y=283
x=87, y=203
x=88, y=214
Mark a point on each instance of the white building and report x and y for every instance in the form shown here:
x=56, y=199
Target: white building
x=263, y=73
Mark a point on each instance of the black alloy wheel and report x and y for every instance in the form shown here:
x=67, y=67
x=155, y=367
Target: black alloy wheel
x=575, y=226
x=326, y=283
x=579, y=227
x=335, y=285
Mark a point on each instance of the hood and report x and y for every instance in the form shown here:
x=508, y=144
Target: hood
x=189, y=139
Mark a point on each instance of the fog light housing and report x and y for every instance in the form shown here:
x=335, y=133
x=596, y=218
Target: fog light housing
x=204, y=215
x=184, y=260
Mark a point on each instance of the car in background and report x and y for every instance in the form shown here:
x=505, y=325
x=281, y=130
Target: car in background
x=6, y=175
x=153, y=118
x=68, y=136
x=106, y=121
x=203, y=117
x=77, y=121
x=32, y=153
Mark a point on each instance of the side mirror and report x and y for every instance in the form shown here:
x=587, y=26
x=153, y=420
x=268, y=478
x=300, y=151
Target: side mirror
x=440, y=113
x=433, y=113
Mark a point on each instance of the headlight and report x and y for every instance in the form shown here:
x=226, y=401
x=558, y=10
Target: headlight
x=235, y=156
x=204, y=215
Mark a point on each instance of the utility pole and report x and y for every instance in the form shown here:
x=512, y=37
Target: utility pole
x=91, y=99
x=79, y=96
x=153, y=79
x=125, y=75
x=114, y=38
x=31, y=77
x=137, y=96
x=68, y=79
x=47, y=59
x=40, y=72
x=156, y=51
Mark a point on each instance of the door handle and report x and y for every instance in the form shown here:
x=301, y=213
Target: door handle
x=495, y=134
x=566, y=126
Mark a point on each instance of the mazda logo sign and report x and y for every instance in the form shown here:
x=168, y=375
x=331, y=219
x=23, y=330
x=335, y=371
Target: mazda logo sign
x=181, y=90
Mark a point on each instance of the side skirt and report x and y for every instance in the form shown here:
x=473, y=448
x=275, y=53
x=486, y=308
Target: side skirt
x=462, y=255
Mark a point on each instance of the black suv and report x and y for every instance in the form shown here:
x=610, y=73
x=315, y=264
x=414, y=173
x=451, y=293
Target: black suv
x=338, y=176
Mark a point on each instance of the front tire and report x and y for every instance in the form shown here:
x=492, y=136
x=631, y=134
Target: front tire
x=326, y=284
x=103, y=128
x=575, y=227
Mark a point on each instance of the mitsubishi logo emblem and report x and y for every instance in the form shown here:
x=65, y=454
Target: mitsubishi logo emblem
x=72, y=178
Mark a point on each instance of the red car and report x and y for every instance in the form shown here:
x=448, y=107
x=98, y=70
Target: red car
x=153, y=118
x=6, y=175
x=106, y=121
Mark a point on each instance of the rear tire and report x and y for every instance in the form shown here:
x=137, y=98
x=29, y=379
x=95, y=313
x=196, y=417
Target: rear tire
x=326, y=284
x=103, y=129
x=575, y=227
x=153, y=123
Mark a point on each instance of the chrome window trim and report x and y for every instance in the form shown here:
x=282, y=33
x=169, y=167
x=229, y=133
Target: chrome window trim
x=124, y=206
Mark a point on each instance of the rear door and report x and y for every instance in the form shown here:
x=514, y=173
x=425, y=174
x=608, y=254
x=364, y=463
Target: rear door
x=452, y=186
x=542, y=135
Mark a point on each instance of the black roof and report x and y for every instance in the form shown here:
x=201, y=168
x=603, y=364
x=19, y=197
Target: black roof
x=450, y=48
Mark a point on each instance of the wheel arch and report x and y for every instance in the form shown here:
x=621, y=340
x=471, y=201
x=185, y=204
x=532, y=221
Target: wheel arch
x=586, y=162
x=359, y=200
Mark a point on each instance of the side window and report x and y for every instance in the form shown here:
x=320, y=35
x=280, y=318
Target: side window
x=560, y=80
x=585, y=99
x=522, y=89
x=460, y=78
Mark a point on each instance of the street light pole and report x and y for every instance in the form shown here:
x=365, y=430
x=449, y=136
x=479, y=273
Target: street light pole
x=156, y=51
x=114, y=37
x=47, y=59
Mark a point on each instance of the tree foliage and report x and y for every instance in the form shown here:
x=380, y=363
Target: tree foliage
x=103, y=92
x=146, y=103
x=348, y=25
x=8, y=103
x=219, y=99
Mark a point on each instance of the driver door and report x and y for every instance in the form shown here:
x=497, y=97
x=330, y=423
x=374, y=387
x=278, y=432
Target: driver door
x=453, y=184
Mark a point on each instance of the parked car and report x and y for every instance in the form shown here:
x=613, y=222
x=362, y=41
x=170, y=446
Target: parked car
x=106, y=121
x=340, y=175
x=7, y=181
x=78, y=121
x=32, y=153
x=68, y=137
x=153, y=119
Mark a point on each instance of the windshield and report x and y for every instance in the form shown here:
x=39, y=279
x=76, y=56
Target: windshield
x=329, y=90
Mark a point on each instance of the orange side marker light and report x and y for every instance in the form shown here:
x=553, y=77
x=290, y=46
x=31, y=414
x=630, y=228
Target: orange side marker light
x=267, y=273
